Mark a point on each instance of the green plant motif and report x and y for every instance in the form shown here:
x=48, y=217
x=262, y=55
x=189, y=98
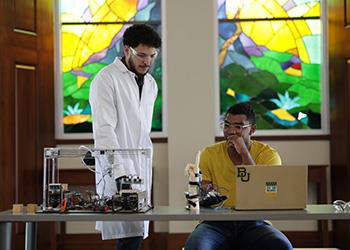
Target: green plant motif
x=281, y=100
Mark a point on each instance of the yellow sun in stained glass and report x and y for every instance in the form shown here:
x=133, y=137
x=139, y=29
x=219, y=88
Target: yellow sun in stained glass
x=80, y=42
x=281, y=36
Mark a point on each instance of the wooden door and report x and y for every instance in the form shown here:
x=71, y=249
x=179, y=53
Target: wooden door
x=26, y=103
x=339, y=71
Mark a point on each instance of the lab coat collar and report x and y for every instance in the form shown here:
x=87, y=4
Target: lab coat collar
x=121, y=66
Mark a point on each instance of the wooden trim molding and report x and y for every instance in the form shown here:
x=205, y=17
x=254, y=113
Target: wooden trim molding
x=26, y=32
x=26, y=67
x=91, y=141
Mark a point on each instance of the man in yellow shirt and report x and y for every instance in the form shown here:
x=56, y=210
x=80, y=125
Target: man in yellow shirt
x=217, y=166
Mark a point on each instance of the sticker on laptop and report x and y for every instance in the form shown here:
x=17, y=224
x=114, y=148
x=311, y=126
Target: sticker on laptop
x=243, y=174
x=271, y=188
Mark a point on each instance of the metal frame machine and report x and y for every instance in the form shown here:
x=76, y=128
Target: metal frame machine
x=122, y=176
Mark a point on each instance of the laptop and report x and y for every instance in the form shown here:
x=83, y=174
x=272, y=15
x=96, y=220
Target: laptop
x=263, y=187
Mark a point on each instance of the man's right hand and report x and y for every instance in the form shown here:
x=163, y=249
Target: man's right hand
x=238, y=143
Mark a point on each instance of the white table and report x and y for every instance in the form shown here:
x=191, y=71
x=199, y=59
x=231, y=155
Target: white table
x=162, y=213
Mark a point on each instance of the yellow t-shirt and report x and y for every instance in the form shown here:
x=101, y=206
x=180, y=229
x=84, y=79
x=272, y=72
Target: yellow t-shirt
x=217, y=167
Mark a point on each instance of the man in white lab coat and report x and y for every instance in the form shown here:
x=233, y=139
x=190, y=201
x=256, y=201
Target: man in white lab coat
x=122, y=97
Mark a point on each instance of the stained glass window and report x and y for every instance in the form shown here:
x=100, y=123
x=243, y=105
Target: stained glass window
x=270, y=54
x=91, y=32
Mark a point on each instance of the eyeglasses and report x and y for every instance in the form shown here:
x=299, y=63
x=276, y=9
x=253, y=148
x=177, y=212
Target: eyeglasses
x=237, y=126
x=142, y=56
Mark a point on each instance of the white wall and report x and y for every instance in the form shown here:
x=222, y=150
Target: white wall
x=191, y=74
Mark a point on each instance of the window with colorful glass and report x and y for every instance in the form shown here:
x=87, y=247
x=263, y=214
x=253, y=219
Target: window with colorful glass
x=91, y=38
x=270, y=54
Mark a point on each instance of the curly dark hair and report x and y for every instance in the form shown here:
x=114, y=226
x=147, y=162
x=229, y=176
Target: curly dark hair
x=243, y=108
x=141, y=33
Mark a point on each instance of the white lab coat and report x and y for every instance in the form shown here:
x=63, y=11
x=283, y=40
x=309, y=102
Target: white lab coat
x=121, y=121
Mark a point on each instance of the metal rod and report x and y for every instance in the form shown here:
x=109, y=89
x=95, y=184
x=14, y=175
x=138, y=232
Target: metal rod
x=57, y=174
x=53, y=170
x=5, y=235
x=44, y=182
x=30, y=235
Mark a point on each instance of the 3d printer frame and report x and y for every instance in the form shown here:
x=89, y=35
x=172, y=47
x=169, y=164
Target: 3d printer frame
x=133, y=193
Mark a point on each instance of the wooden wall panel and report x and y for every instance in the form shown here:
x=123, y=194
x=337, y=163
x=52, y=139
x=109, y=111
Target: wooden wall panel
x=25, y=42
x=6, y=103
x=45, y=64
x=347, y=12
x=25, y=16
x=26, y=104
x=339, y=53
x=25, y=123
x=26, y=97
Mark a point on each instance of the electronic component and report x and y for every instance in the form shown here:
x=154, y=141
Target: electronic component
x=129, y=200
x=212, y=198
x=55, y=196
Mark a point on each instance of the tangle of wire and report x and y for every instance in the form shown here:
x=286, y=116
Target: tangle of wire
x=108, y=170
x=205, y=189
x=103, y=174
x=82, y=147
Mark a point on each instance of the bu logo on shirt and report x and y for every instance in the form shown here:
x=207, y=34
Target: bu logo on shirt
x=242, y=173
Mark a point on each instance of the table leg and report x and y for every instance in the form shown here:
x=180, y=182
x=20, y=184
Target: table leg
x=5, y=235
x=30, y=235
